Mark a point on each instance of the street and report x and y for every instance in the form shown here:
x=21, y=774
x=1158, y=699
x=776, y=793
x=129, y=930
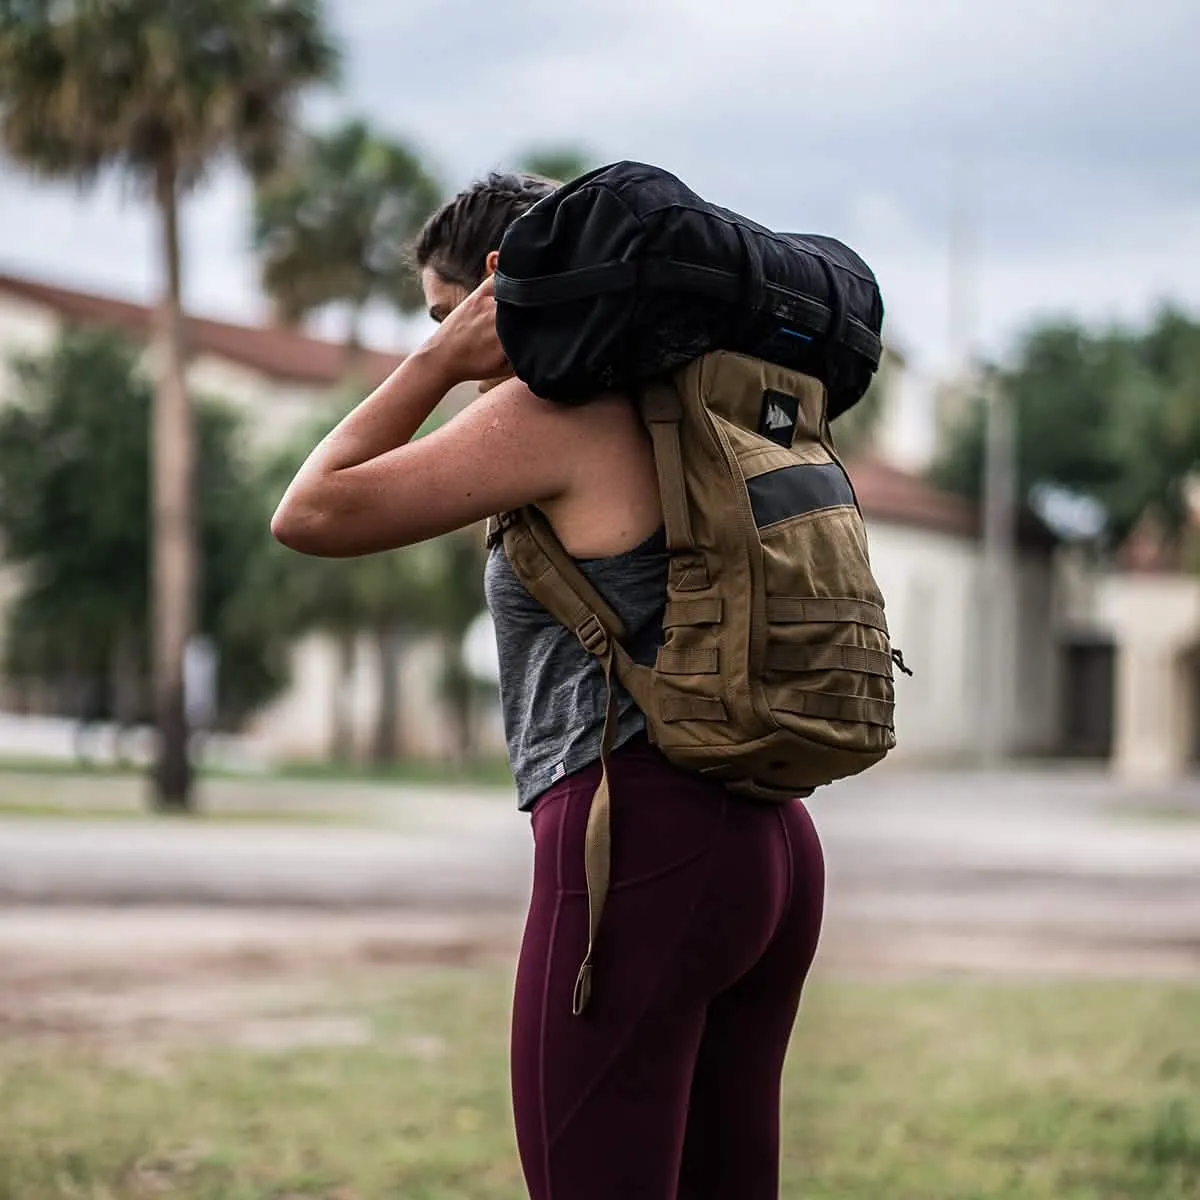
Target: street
x=1056, y=870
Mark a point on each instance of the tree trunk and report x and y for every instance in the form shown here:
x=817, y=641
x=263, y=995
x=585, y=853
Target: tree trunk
x=341, y=747
x=458, y=691
x=174, y=536
x=83, y=705
x=386, y=748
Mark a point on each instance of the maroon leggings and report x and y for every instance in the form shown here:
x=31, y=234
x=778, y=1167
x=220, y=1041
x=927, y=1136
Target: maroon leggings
x=668, y=1087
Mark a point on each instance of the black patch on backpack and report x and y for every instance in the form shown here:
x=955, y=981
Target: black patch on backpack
x=794, y=491
x=780, y=413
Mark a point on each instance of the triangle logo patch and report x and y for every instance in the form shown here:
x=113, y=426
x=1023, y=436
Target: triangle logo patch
x=780, y=415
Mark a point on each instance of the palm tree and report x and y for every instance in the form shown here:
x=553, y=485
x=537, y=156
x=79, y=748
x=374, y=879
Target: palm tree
x=161, y=91
x=333, y=229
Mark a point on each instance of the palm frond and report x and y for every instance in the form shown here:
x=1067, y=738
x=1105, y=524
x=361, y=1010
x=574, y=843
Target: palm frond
x=142, y=84
x=335, y=224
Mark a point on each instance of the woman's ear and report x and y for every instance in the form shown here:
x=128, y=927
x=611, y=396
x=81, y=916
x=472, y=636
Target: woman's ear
x=490, y=262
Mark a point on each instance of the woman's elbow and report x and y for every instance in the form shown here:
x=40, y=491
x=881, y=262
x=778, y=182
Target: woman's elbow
x=301, y=527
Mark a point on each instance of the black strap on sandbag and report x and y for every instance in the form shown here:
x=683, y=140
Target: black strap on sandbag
x=668, y=274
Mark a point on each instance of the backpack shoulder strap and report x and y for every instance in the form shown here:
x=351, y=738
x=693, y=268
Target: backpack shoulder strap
x=553, y=578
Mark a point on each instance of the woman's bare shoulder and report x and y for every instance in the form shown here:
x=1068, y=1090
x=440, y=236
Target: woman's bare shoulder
x=606, y=420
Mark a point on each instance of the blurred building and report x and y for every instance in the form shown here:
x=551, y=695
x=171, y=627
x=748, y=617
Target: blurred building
x=281, y=381
x=927, y=554
x=1132, y=654
x=278, y=378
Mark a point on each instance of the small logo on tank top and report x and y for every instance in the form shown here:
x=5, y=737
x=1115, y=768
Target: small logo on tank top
x=560, y=769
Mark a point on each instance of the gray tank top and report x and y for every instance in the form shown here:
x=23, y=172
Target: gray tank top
x=552, y=690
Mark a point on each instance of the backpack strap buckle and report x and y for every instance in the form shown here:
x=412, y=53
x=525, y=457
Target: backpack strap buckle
x=498, y=526
x=592, y=635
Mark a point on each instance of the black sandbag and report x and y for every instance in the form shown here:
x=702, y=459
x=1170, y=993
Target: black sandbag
x=625, y=274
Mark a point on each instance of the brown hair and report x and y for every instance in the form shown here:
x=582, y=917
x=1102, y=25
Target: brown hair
x=457, y=239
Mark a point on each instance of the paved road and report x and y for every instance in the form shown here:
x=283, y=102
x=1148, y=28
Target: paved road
x=946, y=870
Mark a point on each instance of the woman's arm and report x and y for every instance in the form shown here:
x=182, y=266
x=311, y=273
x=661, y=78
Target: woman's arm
x=368, y=487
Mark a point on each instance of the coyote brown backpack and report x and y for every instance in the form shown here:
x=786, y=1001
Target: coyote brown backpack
x=774, y=675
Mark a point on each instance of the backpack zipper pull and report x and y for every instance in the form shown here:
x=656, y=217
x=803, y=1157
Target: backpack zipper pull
x=898, y=659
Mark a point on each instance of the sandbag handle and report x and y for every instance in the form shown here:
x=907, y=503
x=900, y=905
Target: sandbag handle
x=584, y=283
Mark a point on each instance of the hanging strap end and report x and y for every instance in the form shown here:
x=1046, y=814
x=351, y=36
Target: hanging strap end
x=583, y=989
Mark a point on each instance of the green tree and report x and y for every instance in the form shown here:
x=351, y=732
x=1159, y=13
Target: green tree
x=560, y=163
x=1062, y=388
x=434, y=589
x=333, y=229
x=160, y=91
x=1158, y=421
x=75, y=520
x=453, y=597
x=1113, y=415
x=389, y=596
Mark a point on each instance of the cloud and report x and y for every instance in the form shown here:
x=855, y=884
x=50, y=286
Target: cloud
x=1077, y=121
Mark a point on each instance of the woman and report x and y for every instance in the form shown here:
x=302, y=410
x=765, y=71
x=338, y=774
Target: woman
x=669, y=1085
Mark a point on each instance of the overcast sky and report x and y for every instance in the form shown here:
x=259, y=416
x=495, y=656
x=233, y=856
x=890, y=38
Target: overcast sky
x=1079, y=123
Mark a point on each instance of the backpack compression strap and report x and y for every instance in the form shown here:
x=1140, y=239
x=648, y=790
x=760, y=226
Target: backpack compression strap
x=557, y=583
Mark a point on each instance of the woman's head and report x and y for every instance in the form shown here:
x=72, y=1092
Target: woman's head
x=452, y=250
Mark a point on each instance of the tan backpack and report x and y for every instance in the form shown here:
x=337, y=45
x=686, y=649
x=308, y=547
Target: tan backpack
x=775, y=673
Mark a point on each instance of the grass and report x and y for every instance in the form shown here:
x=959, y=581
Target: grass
x=56, y=811
x=486, y=772
x=938, y=1091
x=17, y=765
x=489, y=772
x=1159, y=814
x=294, y=794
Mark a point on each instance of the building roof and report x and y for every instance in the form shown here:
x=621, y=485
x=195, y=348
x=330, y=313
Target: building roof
x=1148, y=549
x=273, y=351
x=1155, y=547
x=891, y=496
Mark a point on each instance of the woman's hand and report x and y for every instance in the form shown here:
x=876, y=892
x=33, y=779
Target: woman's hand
x=465, y=343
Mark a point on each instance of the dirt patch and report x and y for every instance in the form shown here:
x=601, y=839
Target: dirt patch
x=131, y=980
x=135, y=983
x=880, y=950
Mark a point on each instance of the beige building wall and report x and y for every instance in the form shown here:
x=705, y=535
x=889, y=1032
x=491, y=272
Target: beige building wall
x=1155, y=622
x=1037, y=682
x=932, y=587
x=275, y=411
x=24, y=328
x=298, y=725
